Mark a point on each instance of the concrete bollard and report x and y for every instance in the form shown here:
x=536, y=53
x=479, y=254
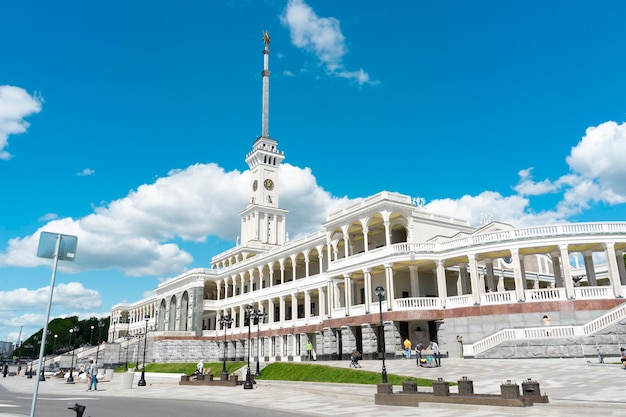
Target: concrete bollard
x=409, y=386
x=466, y=386
x=510, y=390
x=441, y=388
x=384, y=388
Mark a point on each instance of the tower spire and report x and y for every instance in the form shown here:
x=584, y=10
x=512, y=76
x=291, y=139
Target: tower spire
x=266, y=87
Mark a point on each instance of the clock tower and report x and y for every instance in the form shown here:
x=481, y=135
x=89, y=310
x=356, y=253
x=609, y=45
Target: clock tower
x=262, y=222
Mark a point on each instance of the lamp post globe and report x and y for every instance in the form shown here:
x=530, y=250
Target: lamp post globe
x=142, y=380
x=225, y=321
x=248, y=383
x=380, y=292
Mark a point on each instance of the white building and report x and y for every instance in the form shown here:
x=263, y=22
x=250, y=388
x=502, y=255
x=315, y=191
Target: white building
x=441, y=277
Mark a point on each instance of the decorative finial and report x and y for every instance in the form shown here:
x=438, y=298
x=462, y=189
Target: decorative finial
x=266, y=38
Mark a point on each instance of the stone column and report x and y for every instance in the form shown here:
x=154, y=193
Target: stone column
x=306, y=263
x=367, y=282
x=270, y=311
x=523, y=272
x=307, y=305
x=556, y=266
x=347, y=293
x=611, y=258
x=389, y=291
x=567, y=272
x=414, y=277
x=490, y=277
x=365, y=239
x=621, y=267
x=442, y=289
x=517, y=273
x=282, y=311
x=294, y=307
x=321, y=294
x=474, y=278
x=293, y=267
x=271, y=271
x=590, y=268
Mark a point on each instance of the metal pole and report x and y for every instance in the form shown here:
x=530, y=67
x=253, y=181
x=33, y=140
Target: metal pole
x=248, y=383
x=258, y=347
x=70, y=379
x=225, y=321
x=142, y=380
x=45, y=327
x=380, y=291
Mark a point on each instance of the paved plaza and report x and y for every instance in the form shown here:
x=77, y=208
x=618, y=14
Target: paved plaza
x=572, y=385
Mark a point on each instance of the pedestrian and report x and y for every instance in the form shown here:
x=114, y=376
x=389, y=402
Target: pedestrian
x=434, y=347
x=5, y=370
x=418, y=352
x=309, y=350
x=407, y=348
x=19, y=368
x=92, y=375
x=546, y=323
x=622, y=352
x=200, y=367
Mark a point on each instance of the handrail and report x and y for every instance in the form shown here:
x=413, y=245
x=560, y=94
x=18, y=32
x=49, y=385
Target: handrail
x=611, y=317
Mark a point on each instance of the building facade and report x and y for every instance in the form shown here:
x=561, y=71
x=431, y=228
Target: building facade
x=375, y=273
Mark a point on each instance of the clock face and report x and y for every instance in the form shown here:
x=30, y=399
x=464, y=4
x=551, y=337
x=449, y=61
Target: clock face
x=255, y=185
x=269, y=184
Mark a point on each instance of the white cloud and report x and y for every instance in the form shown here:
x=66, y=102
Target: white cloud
x=598, y=173
x=135, y=234
x=15, y=105
x=86, y=172
x=321, y=36
x=71, y=296
x=599, y=157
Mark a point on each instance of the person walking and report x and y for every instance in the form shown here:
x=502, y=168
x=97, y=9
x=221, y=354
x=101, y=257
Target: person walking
x=309, y=350
x=546, y=323
x=200, y=367
x=407, y=348
x=92, y=376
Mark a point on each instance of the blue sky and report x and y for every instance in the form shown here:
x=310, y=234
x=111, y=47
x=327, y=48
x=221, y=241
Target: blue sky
x=127, y=124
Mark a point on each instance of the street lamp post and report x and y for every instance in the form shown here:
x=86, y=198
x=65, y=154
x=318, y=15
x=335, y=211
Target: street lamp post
x=30, y=370
x=258, y=316
x=248, y=383
x=54, y=344
x=42, y=371
x=127, y=337
x=100, y=324
x=70, y=379
x=142, y=380
x=225, y=321
x=380, y=292
x=91, y=336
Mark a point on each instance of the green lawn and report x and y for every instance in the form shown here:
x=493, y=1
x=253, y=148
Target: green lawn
x=294, y=371
x=186, y=368
x=290, y=371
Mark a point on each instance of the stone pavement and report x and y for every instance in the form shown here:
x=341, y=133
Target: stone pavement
x=572, y=385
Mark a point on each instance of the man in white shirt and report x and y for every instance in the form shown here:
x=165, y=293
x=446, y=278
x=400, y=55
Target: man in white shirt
x=434, y=347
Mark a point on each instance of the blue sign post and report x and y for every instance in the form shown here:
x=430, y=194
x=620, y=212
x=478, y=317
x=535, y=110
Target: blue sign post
x=58, y=247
